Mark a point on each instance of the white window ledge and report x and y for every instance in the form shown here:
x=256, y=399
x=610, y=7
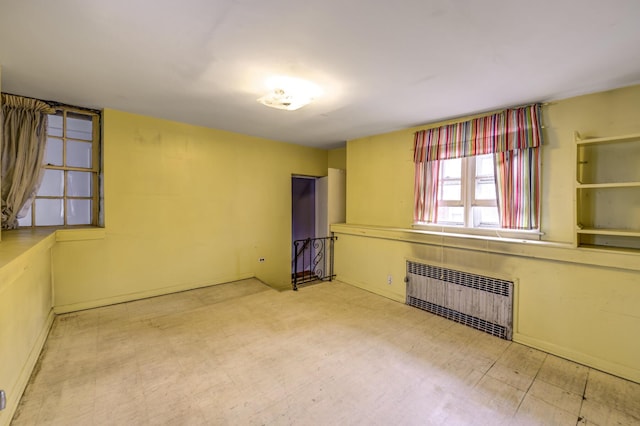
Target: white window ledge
x=501, y=234
x=534, y=249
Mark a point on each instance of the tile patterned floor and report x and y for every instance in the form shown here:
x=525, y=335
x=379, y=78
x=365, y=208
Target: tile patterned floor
x=330, y=354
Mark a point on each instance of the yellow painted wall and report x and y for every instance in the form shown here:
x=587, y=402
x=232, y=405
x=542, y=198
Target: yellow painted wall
x=338, y=158
x=337, y=198
x=25, y=310
x=185, y=206
x=565, y=303
x=380, y=182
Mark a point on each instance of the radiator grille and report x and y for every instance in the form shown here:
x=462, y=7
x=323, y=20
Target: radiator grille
x=478, y=301
x=480, y=282
x=477, y=323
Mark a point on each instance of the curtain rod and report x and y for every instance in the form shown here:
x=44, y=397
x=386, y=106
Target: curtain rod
x=55, y=104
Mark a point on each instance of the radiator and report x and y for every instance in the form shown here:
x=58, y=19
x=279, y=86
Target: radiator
x=481, y=302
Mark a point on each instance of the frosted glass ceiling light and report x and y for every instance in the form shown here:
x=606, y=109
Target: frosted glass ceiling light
x=283, y=100
x=289, y=93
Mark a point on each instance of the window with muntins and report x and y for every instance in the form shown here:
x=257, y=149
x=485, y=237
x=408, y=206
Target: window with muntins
x=467, y=193
x=69, y=193
x=481, y=173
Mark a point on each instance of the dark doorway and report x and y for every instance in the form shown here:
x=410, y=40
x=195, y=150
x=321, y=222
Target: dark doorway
x=303, y=209
x=303, y=206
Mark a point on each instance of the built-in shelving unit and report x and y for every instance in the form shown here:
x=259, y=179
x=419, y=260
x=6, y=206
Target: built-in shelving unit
x=608, y=191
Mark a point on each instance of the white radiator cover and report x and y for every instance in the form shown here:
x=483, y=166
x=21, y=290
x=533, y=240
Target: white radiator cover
x=481, y=302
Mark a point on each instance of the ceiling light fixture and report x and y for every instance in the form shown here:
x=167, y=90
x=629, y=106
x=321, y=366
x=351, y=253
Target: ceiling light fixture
x=289, y=93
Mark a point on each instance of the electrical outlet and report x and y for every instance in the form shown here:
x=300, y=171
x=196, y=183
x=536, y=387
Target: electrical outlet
x=261, y=260
x=389, y=279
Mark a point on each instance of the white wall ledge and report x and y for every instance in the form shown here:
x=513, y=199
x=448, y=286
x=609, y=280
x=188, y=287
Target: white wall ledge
x=554, y=251
x=17, y=243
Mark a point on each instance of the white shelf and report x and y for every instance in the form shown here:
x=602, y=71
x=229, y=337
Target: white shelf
x=611, y=139
x=609, y=165
x=604, y=231
x=608, y=185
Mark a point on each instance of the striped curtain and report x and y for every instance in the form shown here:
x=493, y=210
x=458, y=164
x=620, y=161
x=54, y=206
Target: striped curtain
x=517, y=175
x=426, y=190
x=518, y=188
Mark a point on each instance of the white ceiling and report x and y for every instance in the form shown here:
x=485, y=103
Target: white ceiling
x=384, y=65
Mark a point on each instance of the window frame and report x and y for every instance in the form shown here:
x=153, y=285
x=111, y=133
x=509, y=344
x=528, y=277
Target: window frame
x=95, y=169
x=514, y=136
x=468, y=200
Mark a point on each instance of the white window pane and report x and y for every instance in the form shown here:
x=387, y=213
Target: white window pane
x=79, y=184
x=52, y=184
x=451, y=168
x=49, y=212
x=78, y=212
x=451, y=215
x=54, y=128
x=485, y=189
x=450, y=190
x=484, y=165
x=53, y=152
x=485, y=217
x=79, y=154
x=26, y=220
x=79, y=126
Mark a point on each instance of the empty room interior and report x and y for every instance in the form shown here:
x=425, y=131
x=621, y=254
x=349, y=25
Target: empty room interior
x=321, y=212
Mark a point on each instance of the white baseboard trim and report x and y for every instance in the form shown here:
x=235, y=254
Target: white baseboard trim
x=63, y=309
x=619, y=370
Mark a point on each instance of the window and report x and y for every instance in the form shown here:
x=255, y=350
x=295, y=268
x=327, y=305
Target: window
x=68, y=194
x=481, y=173
x=467, y=193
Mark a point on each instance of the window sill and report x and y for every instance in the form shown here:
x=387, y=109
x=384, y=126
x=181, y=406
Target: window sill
x=80, y=234
x=500, y=234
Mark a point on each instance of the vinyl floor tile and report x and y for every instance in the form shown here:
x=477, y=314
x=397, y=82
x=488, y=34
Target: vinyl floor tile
x=329, y=354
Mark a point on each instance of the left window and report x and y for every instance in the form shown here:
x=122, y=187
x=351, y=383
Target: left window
x=69, y=192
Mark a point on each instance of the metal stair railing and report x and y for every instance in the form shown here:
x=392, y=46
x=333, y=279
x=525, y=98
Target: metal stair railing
x=313, y=261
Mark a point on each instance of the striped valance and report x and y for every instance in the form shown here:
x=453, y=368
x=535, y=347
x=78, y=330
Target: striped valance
x=508, y=130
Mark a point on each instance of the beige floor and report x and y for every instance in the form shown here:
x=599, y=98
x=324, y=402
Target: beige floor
x=330, y=354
